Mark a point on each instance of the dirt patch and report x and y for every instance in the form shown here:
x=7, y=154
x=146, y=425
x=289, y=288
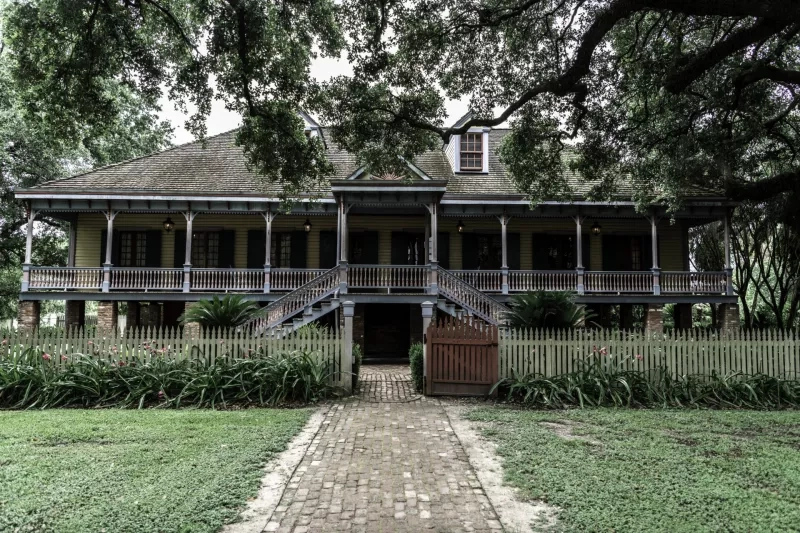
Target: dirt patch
x=565, y=430
x=278, y=472
x=515, y=513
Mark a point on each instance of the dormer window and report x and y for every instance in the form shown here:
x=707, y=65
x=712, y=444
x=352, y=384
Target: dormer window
x=471, y=151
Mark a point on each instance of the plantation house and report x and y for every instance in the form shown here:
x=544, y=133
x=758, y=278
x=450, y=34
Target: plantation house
x=165, y=230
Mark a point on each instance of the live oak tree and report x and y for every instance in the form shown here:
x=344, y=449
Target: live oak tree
x=252, y=54
x=677, y=96
x=37, y=145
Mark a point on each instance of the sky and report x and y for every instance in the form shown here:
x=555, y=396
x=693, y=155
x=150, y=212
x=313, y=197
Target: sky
x=221, y=120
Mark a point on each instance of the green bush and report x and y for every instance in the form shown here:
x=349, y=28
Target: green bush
x=358, y=356
x=31, y=378
x=229, y=311
x=603, y=380
x=546, y=309
x=415, y=360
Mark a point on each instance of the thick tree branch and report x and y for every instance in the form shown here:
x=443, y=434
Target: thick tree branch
x=680, y=80
x=759, y=191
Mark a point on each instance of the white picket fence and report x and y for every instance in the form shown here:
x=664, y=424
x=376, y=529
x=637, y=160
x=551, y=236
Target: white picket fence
x=699, y=352
x=207, y=347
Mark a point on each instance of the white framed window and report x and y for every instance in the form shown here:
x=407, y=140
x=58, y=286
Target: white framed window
x=471, y=152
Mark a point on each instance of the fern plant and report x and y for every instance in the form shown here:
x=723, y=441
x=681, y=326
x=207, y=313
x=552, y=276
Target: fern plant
x=543, y=309
x=229, y=311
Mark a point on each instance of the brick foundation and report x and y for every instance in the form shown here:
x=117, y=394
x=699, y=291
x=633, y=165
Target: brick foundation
x=728, y=317
x=683, y=316
x=654, y=318
x=74, y=314
x=28, y=315
x=107, y=314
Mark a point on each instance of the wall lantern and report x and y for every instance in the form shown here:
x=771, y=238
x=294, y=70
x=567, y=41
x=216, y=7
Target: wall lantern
x=169, y=225
x=460, y=226
x=596, y=229
x=307, y=225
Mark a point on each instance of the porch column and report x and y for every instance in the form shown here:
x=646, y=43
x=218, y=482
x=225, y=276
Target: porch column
x=26, y=266
x=268, y=218
x=427, y=240
x=187, y=260
x=656, y=269
x=433, y=277
x=343, y=208
x=728, y=266
x=427, y=316
x=504, y=219
x=581, y=287
x=110, y=216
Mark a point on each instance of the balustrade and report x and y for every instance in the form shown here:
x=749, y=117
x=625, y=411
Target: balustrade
x=227, y=279
x=483, y=280
x=610, y=282
x=542, y=280
x=156, y=279
x=694, y=282
x=65, y=278
x=286, y=279
x=387, y=276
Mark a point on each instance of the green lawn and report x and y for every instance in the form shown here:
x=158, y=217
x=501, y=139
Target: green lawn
x=134, y=471
x=655, y=470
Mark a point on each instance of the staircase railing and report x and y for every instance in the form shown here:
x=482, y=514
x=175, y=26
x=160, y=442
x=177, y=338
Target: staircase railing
x=470, y=298
x=304, y=296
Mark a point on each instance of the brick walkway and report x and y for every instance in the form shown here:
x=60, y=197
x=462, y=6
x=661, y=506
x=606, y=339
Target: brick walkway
x=385, y=460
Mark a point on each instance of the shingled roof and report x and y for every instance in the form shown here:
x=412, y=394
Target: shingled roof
x=218, y=166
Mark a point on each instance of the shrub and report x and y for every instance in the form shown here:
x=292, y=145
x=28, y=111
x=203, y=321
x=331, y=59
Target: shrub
x=358, y=356
x=543, y=309
x=603, y=380
x=416, y=362
x=31, y=378
x=231, y=310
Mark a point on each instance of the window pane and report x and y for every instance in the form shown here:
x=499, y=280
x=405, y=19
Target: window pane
x=141, y=248
x=125, y=249
x=472, y=151
x=199, y=249
x=213, y=250
x=286, y=249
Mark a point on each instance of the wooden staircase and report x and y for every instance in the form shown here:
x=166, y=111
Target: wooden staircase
x=302, y=301
x=467, y=301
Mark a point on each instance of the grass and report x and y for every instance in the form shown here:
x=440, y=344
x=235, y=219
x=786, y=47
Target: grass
x=655, y=470
x=134, y=471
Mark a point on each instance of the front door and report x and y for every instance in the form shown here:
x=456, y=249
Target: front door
x=408, y=248
x=387, y=331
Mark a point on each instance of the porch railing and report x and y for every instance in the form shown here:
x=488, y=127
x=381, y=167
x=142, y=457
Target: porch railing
x=65, y=278
x=544, y=280
x=694, y=282
x=387, y=276
x=227, y=279
x=483, y=280
x=283, y=279
x=143, y=278
x=641, y=282
x=371, y=277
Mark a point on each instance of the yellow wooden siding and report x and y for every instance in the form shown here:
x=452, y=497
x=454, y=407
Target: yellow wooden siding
x=91, y=225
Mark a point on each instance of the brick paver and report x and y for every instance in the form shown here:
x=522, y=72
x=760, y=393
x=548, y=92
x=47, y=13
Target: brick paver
x=385, y=460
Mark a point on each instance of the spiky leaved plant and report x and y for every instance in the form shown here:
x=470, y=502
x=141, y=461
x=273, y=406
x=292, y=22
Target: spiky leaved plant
x=229, y=311
x=542, y=309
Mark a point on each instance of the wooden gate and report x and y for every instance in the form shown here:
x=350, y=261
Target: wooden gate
x=461, y=358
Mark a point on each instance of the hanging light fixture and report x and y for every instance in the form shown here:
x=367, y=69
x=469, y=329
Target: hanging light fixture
x=169, y=225
x=460, y=226
x=596, y=229
x=307, y=225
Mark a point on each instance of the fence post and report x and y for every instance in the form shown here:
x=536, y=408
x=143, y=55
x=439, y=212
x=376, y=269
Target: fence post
x=427, y=316
x=347, y=352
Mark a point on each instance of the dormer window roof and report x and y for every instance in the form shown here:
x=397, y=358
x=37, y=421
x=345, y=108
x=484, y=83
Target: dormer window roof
x=471, y=152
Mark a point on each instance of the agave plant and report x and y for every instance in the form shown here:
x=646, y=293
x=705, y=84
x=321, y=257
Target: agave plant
x=229, y=311
x=541, y=309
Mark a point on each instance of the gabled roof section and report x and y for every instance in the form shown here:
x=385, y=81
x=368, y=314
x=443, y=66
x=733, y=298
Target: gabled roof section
x=463, y=120
x=309, y=120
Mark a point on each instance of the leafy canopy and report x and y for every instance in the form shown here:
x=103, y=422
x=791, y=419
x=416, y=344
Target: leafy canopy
x=674, y=95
